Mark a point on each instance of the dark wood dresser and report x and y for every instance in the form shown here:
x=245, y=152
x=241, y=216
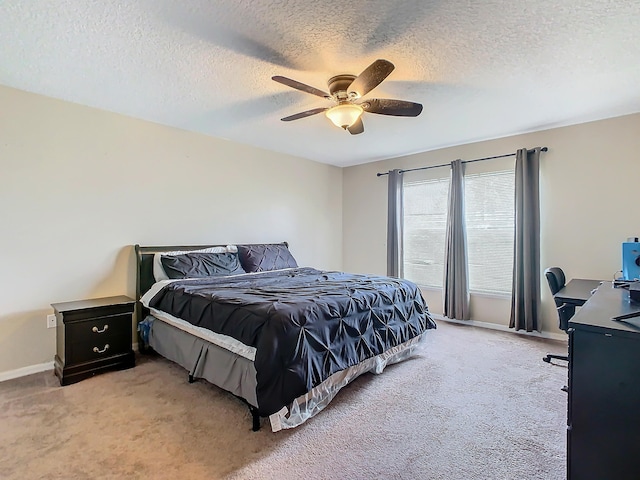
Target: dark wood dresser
x=603, y=422
x=93, y=336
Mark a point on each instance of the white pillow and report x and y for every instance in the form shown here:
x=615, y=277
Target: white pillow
x=158, y=271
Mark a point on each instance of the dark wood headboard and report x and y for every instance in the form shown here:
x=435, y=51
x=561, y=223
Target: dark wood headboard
x=144, y=269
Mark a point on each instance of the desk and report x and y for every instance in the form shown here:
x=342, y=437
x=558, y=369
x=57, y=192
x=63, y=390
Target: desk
x=576, y=292
x=603, y=415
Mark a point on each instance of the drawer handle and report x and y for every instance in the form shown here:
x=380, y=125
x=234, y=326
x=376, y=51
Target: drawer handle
x=104, y=329
x=97, y=350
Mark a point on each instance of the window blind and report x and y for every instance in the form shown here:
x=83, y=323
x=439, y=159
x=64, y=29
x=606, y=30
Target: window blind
x=489, y=212
x=489, y=216
x=425, y=223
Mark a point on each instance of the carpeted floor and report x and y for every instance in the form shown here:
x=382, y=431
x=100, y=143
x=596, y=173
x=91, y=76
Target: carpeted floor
x=475, y=404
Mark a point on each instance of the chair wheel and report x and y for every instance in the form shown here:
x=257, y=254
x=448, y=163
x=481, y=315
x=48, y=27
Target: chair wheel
x=546, y=359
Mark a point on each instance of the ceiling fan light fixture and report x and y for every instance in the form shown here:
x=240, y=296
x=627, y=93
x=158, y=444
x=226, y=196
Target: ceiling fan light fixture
x=344, y=115
x=345, y=89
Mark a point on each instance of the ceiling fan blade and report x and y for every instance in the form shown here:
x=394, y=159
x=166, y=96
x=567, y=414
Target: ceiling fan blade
x=308, y=113
x=300, y=86
x=357, y=127
x=388, y=106
x=371, y=77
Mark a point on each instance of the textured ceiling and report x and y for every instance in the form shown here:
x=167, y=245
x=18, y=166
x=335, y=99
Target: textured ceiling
x=482, y=69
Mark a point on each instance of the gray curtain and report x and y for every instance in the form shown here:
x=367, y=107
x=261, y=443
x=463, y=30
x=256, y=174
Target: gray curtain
x=525, y=292
x=394, y=225
x=456, y=278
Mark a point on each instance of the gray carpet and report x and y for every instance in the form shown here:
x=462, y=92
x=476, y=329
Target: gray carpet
x=475, y=404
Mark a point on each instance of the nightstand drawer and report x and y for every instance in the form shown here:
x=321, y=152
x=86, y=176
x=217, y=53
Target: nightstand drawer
x=99, y=348
x=98, y=329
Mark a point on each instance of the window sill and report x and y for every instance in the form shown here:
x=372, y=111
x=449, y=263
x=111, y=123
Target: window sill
x=427, y=287
x=503, y=296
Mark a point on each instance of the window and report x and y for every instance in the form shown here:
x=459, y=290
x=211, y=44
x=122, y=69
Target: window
x=425, y=224
x=489, y=216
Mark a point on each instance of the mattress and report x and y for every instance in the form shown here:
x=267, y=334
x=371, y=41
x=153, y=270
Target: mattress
x=224, y=341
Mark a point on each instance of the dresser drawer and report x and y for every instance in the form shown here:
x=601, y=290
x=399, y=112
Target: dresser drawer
x=98, y=329
x=99, y=348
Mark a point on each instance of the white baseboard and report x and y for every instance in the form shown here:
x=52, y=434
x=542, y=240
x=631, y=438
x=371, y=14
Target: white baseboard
x=24, y=371
x=503, y=328
x=31, y=369
x=43, y=367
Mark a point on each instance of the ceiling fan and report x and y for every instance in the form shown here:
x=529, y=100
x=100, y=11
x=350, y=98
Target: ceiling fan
x=346, y=90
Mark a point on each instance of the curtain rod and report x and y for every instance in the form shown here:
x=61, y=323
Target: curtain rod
x=543, y=149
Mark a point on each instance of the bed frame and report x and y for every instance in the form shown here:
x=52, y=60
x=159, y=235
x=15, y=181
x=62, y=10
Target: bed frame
x=145, y=279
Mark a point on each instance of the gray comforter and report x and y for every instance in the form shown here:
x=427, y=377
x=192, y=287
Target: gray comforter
x=306, y=324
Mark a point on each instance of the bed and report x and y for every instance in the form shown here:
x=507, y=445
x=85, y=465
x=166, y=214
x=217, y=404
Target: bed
x=283, y=338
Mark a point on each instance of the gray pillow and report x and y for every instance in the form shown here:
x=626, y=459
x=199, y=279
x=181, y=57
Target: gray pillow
x=266, y=256
x=196, y=265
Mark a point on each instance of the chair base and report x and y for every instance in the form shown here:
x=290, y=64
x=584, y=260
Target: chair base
x=551, y=356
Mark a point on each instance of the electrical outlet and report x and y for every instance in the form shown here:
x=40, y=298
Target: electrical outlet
x=51, y=321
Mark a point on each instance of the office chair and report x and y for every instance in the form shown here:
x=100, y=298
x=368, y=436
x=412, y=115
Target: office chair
x=556, y=280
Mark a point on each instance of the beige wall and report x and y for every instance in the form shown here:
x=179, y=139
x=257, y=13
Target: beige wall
x=589, y=182
x=79, y=186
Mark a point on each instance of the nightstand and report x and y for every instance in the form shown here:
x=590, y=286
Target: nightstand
x=93, y=336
